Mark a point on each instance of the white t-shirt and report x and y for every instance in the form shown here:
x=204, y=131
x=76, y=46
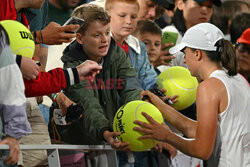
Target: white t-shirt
x=232, y=145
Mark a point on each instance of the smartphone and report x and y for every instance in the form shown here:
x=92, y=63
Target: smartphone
x=169, y=37
x=74, y=20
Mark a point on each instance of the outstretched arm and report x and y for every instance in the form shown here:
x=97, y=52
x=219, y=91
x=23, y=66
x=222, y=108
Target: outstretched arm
x=57, y=79
x=182, y=123
x=201, y=145
x=55, y=34
x=88, y=70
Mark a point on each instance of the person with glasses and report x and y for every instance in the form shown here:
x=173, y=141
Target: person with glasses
x=243, y=54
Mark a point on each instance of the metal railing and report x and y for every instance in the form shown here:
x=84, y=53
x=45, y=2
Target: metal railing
x=53, y=153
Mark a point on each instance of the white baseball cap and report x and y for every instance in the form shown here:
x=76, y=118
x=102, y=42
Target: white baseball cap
x=202, y=36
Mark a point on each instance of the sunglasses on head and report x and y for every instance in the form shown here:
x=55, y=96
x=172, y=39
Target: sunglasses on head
x=242, y=48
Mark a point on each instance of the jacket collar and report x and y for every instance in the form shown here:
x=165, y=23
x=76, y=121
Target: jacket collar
x=75, y=51
x=132, y=42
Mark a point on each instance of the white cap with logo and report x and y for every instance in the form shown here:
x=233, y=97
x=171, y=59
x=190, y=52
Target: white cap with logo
x=202, y=36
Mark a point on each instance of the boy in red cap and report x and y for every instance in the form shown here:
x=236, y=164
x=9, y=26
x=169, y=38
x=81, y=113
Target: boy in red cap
x=243, y=54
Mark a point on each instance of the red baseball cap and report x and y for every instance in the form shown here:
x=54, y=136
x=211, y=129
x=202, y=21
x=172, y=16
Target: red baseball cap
x=245, y=37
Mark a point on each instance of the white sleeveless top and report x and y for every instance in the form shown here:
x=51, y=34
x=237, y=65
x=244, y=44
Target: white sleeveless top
x=232, y=145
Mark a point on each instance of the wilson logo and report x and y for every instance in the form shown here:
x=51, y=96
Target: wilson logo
x=26, y=35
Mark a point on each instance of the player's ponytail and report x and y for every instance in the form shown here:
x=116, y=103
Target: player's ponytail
x=225, y=54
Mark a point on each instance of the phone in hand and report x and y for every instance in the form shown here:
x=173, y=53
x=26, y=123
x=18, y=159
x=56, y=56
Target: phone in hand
x=169, y=37
x=74, y=20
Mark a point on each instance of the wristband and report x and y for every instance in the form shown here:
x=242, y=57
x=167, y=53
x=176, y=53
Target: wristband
x=54, y=96
x=18, y=60
x=35, y=38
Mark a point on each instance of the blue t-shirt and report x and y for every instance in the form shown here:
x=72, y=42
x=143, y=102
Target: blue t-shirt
x=39, y=21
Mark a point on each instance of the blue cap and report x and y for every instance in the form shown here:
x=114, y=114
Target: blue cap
x=215, y=2
x=167, y=4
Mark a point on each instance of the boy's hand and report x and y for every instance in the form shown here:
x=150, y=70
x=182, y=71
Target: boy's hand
x=14, y=150
x=163, y=59
x=165, y=146
x=29, y=69
x=111, y=138
x=63, y=102
x=88, y=70
x=39, y=99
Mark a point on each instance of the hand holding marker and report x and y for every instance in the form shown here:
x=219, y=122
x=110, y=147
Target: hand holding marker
x=154, y=89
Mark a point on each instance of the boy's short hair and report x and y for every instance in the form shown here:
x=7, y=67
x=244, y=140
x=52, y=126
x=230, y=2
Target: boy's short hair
x=147, y=26
x=109, y=3
x=90, y=13
x=239, y=23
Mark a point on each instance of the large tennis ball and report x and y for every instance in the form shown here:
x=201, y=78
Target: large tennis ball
x=123, y=123
x=177, y=80
x=21, y=39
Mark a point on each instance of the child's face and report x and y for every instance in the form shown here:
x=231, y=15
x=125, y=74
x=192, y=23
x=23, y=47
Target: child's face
x=123, y=19
x=96, y=40
x=153, y=44
x=147, y=10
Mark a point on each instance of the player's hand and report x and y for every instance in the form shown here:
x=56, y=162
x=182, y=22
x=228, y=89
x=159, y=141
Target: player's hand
x=110, y=137
x=173, y=98
x=152, y=130
x=152, y=98
x=159, y=102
